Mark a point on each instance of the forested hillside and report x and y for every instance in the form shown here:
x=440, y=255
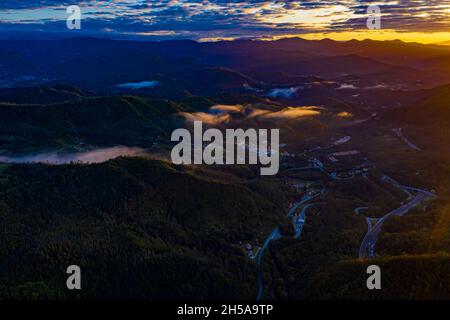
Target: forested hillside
x=139, y=228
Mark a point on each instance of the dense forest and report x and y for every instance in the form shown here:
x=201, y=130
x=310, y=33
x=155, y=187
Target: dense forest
x=139, y=228
x=142, y=228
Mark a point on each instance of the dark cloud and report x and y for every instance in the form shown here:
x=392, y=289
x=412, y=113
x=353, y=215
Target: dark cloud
x=224, y=18
x=26, y=4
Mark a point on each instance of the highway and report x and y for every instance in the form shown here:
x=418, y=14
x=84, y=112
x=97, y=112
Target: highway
x=370, y=239
x=415, y=197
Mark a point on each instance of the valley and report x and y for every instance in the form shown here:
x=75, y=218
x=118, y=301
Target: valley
x=86, y=172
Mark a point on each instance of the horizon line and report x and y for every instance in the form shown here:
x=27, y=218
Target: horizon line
x=217, y=40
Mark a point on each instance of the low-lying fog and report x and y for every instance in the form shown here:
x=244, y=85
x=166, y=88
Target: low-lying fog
x=138, y=85
x=283, y=92
x=220, y=114
x=93, y=156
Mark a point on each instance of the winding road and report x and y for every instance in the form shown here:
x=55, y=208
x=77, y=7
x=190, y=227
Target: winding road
x=399, y=133
x=367, y=247
x=298, y=223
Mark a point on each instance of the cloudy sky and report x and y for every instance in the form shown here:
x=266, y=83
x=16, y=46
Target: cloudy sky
x=410, y=20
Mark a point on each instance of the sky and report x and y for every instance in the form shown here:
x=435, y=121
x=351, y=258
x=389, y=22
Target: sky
x=426, y=21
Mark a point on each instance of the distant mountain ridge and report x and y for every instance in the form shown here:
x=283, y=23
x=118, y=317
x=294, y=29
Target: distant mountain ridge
x=102, y=64
x=445, y=43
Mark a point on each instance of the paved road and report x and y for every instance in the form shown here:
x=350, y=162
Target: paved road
x=399, y=133
x=319, y=166
x=275, y=235
x=305, y=199
x=299, y=221
x=370, y=239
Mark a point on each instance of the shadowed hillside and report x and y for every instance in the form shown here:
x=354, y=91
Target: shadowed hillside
x=143, y=229
x=101, y=121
